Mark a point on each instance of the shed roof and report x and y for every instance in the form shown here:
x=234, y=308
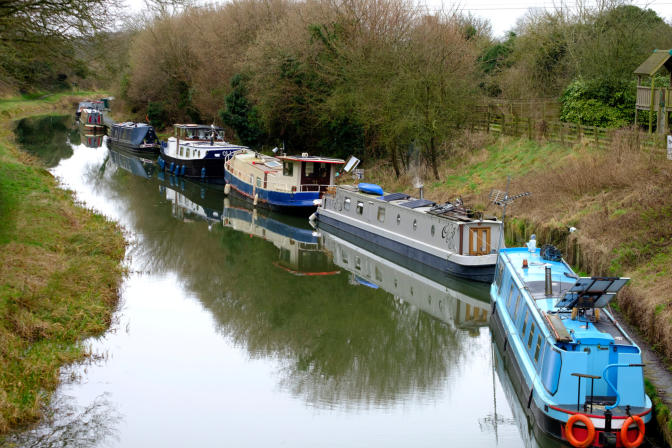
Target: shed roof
x=654, y=62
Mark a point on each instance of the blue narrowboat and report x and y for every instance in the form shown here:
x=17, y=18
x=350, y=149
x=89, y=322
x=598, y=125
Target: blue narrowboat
x=284, y=183
x=576, y=371
x=137, y=138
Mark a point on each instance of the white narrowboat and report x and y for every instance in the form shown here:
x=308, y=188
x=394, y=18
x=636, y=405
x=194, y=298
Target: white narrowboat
x=447, y=237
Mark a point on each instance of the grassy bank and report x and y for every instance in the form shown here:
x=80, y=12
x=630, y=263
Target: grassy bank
x=61, y=269
x=619, y=199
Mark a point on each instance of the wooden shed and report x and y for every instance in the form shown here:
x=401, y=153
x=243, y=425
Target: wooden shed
x=648, y=95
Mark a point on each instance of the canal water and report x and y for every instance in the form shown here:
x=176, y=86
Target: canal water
x=245, y=328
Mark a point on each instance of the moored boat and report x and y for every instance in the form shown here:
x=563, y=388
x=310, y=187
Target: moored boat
x=95, y=105
x=448, y=237
x=91, y=121
x=286, y=183
x=196, y=151
x=577, y=372
x=138, y=138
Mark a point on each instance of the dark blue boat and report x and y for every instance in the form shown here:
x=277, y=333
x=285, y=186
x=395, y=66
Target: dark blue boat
x=139, y=138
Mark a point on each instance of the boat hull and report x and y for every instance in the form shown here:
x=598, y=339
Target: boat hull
x=299, y=203
x=544, y=424
x=193, y=169
x=479, y=273
x=147, y=151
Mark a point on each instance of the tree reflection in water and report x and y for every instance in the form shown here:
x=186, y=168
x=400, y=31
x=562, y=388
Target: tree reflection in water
x=65, y=425
x=338, y=345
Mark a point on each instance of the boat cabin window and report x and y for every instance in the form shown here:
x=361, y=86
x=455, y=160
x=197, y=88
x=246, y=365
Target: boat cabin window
x=499, y=274
x=287, y=168
x=346, y=204
x=432, y=230
x=358, y=264
x=415, y=224
x=251, y=179
x=258, y=181
x=344, y=258
x=536, y=350
x=527, y=315
x=181, y=151
x=360, y=207
x=515, y=309
x=187, y=153
x=381, y=214
x=529, y=340
x=378, y=274
x=508, y=301
x=398, y=219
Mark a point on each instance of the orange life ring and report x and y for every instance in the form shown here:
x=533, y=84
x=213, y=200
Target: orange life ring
x=624, y=431
x=569, y=431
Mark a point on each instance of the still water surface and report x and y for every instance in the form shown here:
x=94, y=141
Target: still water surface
x=241, y=328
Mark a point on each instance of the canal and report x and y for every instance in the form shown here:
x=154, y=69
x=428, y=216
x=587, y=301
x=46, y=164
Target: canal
x=246, y=328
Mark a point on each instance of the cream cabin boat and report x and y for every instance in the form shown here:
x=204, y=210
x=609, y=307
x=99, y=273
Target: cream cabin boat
x=285, y=183
x=447, y=237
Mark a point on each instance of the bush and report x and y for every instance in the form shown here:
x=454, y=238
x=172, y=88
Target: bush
x=599, y=102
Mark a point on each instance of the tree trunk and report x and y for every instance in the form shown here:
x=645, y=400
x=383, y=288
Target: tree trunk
x=395, y=161
x=432, y=158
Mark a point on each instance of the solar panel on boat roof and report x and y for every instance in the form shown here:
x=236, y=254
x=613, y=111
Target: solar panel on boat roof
x=395, y=197
x=415, y=203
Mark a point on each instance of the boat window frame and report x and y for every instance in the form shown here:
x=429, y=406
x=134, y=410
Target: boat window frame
x=258, y=182
x=527, y=315
x=187, y=153
x=537, y=349
x=381, y=214
x=515, y=308
x=287, y=168
x=499, y=274
x=508, y=300
x=415, y=225
x=346, y=204
x=360, y=207
x=531, y=337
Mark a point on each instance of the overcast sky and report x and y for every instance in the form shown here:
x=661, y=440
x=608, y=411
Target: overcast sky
x=503, y=14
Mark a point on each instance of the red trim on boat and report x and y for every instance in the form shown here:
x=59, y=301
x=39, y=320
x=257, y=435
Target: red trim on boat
x=291, y=271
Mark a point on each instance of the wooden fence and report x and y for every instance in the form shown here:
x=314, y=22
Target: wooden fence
x=557, y=131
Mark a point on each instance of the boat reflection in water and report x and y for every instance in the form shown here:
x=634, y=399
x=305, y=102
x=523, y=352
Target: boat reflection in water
x=436, y=297
x=299, y=244
x=134, y=164
x=191, y=201
x=92, y=140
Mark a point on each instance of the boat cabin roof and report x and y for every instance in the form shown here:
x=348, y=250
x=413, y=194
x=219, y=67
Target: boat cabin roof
x=317, y=159
x=196, y=126
x=557, y=318
x=260, y=161
x=454, y=212
x=131, y=124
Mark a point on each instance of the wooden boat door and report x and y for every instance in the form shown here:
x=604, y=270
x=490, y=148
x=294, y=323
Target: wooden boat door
x=479, y=240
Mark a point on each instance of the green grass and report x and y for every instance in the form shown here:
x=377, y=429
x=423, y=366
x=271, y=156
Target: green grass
x=61, y=271
x=504, y=158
